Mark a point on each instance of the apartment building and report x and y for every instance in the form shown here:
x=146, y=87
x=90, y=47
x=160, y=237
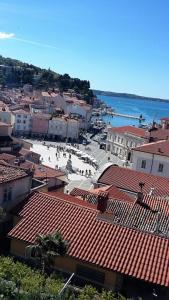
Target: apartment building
x=63, y=127
x=152, y=158
x=23, y=122
x=120, y=140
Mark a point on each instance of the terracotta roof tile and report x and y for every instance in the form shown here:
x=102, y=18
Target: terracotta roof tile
x=9, y=173
x=122, y=249
x=21, y=112
x=158, y=134
x=6, y=156
x=113, y=192
x=128, y=179
x=128, y=129
x=158, y=148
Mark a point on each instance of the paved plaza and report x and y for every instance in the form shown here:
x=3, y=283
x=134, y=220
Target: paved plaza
x=54, y=154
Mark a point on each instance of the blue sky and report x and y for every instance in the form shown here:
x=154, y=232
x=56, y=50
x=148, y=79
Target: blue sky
x=119, y=45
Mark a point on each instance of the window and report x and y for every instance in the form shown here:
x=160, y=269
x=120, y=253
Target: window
x=160, y=168
x=24, y=121
x=19, y=116
x=143, y=164
x=131, y=144
x=7, y=194
x=118, y=139
x=18, y=121
x=25, y=116
x=121, y=140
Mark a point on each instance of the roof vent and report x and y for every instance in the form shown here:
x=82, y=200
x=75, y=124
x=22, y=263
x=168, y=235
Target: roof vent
x=151, y=192
x=16, y=162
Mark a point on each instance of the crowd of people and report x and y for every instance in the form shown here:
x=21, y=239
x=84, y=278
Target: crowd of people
x=66, y=152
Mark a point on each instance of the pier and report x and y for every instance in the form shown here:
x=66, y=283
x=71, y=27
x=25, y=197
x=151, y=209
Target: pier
x=127, y=116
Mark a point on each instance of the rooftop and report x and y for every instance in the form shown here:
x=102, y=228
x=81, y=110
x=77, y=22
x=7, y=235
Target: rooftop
x=128, y=212
x=158, y=134
x=111, y=246
x=129, y=180
x=21, y=112
x=113, y=192
x=41, y=171
x=158, y=148
x=128, y=129
x=7, y=157
x=165, y=119
x=9, y=173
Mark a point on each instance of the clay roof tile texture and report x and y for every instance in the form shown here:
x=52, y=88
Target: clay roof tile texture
x=127, y=179
x=114, y=247
x=9, y=173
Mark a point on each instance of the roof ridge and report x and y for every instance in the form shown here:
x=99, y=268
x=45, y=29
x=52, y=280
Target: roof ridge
x=74, y=201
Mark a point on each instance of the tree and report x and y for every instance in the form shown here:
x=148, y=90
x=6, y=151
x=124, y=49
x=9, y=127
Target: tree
x=2, y=78
x=46, y=248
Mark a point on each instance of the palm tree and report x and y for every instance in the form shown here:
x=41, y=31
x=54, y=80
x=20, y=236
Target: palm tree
x=46, y=248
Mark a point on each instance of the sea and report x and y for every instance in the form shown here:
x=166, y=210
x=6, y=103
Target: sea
x=151, y=110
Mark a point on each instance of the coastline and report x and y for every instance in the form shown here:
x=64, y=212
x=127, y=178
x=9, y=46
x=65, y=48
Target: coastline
x=127, y=96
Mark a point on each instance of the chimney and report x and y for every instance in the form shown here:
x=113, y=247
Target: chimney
x=157, y=229
x=139, y=197
x=102, y=201
x=140, y=194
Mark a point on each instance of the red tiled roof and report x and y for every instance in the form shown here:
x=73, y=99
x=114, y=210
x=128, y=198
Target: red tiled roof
x=116, y=193
x=113, y=193
x=92, y=240
x=159, y=134
x=6, y=156
x=128, y=179
x=42, y=171
x=165, y=119
x=158, y=148
x=24, y=152
x=128, y=129
x=9, y=173
x=41, y=116
x=21, y=112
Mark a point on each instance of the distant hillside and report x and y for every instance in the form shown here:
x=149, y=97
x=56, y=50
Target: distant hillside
x=14, y=73
x=126, y=95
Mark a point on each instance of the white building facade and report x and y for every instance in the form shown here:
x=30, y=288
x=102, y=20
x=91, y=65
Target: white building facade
x=61, y=128
x=5, y=115
x=120, y=140
x=152, y=158
x=23, y=122
x=81, y=109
